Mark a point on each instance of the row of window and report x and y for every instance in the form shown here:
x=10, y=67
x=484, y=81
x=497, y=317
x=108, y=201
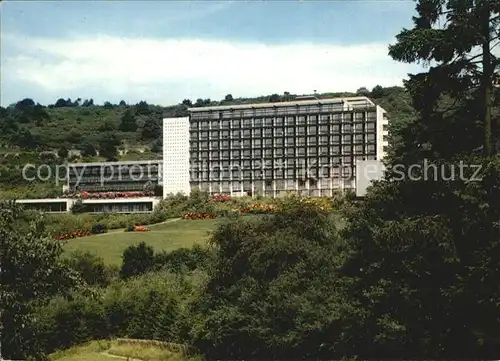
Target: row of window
x=280, y=131
x=114, y=170
x=274, y=111
x=280, y=142
x=215, y=123
x=278, y=152
x=269, y=163
x=115, y=178
x=290, y=173
x=120, y=207
x=96, y=186
x=226, y=186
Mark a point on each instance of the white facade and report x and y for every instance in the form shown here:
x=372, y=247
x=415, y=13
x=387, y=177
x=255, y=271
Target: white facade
x=117, y=205
x=176, y=156
x=366, y=172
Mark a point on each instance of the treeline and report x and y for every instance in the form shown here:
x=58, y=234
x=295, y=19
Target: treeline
x=79, y=124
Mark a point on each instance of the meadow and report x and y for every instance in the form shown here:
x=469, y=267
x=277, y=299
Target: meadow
x=173, y=234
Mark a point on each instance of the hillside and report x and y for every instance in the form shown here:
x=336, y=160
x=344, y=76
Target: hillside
x=81, y=131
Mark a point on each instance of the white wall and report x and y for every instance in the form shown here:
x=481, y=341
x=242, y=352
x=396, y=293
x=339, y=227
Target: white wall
x=176, y=156
x=366, y=172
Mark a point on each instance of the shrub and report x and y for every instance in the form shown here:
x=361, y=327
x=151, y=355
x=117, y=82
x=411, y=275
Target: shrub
x=130, y=228
x=137, y=260
x=184, y=259
x=78, y=207
x=91, y=268
x=99, y=228
x=264, y=271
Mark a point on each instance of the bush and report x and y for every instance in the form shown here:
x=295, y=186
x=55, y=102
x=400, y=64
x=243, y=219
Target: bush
x=149, y=307
x=91, y=268
x=99, y=228
x=269, y=293
x=130, y=228
x=137, y=260
x=78, y=207
x=184, y=259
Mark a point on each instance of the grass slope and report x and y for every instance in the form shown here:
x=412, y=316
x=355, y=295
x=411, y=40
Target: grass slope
x=162, y=237
x=113, y=351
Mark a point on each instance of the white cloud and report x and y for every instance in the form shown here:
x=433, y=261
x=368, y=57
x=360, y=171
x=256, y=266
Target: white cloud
x=165, y=71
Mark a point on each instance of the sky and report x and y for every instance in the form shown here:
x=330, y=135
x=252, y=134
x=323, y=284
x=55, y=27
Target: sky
x=166, y=51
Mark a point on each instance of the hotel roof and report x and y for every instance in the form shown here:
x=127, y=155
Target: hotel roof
x=354, y=101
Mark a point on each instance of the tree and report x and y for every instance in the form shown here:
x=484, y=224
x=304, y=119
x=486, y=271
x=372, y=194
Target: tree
x=142, y=108
x=419, y=252
x=187, y=103
x=31, y=271
x=90, y=267
x=137, y=260
x=27, y=140
x=88, y=150
x=274, y=98
x=25, y=104
x=465, y=67
x=272, y=287
x=229, y=98
x=363, y=91
x=157, y=146
x=128, y=123
x=151, y=129
x=60, y=103
x=123, y=103
x=108, y=146
x=108, y=105
x=199, y=102
x=377, y=92
x=88, y=103
x=63, y=152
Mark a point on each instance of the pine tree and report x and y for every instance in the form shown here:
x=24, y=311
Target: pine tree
x=454, y=38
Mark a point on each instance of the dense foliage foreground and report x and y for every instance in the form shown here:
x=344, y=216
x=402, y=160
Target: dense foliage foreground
x=413, y=274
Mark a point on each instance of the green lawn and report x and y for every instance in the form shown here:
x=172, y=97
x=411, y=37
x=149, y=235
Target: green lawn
x=112, y=351
x=162, y=237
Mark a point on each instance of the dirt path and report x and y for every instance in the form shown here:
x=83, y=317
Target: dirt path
x=121, y=357
x=116, y=230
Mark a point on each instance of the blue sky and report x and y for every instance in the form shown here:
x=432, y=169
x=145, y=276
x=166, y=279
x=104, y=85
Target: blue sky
x=166, y=51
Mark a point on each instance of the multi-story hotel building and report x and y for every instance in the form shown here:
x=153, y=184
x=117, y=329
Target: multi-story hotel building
x=308, y=146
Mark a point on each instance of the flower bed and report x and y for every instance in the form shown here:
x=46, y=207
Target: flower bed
x=74, y=234
x=218, y=198
x=324, y=204
x=260, y=208
x=198, y=215
x=112, y=195
x=141, y=229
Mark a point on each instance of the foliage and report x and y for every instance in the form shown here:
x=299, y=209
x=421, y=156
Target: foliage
x=421, y=251
x=137, y=260
x=184, y=259
x=99, y=228
x=455, y=96
x=31, y=271
x=91, y=268
x=269, y=293
x=78, y=207
x=148, y=307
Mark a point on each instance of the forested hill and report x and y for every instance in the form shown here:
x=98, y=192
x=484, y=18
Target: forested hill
x=114, y=129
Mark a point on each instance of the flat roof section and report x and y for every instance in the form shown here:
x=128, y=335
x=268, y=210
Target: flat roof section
x=354, y=101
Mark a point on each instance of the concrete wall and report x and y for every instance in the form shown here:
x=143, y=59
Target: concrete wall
x=366, y=172
x=176, y=156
